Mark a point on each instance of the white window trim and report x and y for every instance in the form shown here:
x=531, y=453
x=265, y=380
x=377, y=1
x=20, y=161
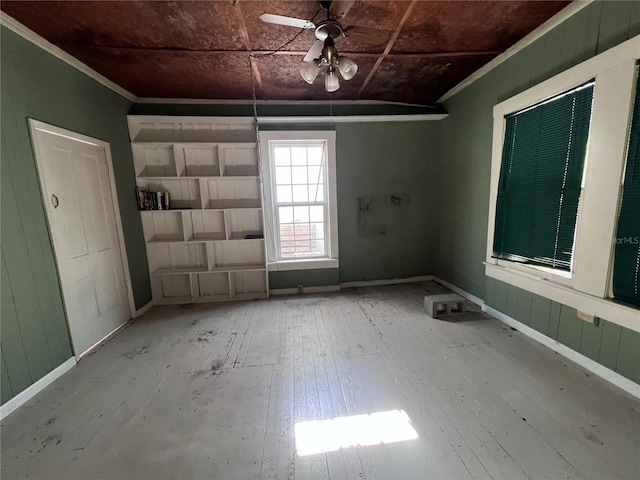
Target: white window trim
x=331, y=258
x=589, y=287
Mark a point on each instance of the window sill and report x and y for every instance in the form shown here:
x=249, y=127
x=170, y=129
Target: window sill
x=306, y=264
x=604, y=308
x=544, y=273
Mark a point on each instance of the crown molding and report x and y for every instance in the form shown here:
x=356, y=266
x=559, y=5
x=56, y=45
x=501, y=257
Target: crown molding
x=31, y=36
x=524, y=42
x=352, y=118
x=212, y=101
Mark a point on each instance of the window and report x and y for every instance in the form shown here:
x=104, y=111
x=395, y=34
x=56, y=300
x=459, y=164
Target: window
x=540, y=180
x=553, y=228
x=626, y=270
x=300, y=192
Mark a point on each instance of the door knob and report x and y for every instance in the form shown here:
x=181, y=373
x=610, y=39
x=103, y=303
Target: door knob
x=54, y=201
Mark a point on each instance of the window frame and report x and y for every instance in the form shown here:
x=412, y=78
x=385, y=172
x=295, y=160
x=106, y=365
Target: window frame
x=590, y=286
x=272, y=238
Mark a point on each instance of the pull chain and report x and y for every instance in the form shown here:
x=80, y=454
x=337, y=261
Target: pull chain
x=255, y=120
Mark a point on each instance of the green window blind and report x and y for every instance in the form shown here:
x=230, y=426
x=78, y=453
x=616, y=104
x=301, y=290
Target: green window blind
x=540, y=180
x=627, y=250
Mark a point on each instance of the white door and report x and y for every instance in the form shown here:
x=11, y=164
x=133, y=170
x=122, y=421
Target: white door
x=75, y=181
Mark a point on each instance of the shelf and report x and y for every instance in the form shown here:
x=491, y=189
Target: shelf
x=153, y=160
x=205, y=225
x=247, y=284
x=244, y=222
x=241, y=204
x=166, y=239
x=235, y=177
x=184, y=192
x=211, y=284
x=173, y=288
x=161, y=227
x=240, y=193
x=240, y=268
x=178, y=271
x=163, y=128
x=238, y=160
x=198, y=177
x=239, y=209
x=148, y=177
x=238, y=239
x=177, y=257
x=177, y=210
x=231, y=255
x=197, y=159
x=197, y=250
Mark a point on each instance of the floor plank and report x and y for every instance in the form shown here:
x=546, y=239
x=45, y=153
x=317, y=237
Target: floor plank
x=216, y=391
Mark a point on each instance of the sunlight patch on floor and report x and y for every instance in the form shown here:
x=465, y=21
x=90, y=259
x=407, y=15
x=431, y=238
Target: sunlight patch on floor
x=321, y=436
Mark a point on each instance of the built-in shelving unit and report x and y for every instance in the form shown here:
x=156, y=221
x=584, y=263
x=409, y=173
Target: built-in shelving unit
x=204, y=248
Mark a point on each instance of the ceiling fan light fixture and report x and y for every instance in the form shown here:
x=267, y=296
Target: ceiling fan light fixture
x=331, y=82
x=348, y=68
x=310, y=71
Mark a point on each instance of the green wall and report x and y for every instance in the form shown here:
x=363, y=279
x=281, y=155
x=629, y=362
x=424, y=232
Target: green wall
x=378, y=161
x=611, y=345
x=34, y=335
x=464, y=172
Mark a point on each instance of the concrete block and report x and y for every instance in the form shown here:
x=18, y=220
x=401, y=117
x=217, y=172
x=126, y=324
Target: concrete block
x=443, y=306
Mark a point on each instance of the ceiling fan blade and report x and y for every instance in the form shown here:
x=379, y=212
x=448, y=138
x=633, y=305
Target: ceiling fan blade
x=288, y=21
x=315, y=51
x=339, y=8
x=366, y=34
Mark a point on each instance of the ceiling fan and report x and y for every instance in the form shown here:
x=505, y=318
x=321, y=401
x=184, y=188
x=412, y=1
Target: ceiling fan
x=323, y=54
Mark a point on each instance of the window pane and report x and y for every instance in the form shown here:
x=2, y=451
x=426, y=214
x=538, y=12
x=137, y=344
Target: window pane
x=315, y=155
x=287, y=236
x=299, y=175
x=302, y=233
x=298, y=155
x=286, y=214
x=317, y=229
x=283, y=176
x=316, y=193
x=316, y=213
x=281, y=155
x=300, y=193
x=283, y=194
x=315, y=175
x=301, y=214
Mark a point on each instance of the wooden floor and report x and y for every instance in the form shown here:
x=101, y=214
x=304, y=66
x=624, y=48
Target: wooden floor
x=216, y=391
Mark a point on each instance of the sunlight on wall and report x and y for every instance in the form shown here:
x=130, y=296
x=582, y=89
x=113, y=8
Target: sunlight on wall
x=321, y=436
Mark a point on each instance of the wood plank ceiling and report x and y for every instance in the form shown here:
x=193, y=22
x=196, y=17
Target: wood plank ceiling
x=216, y=49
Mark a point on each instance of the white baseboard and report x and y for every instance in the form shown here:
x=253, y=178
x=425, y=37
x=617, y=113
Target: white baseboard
x=143, y=310
x=294, y=291
x=585, y=362
x=392, y=281
x=364, y=283
x=459, y=291
x=104, y=339
x=32, y=390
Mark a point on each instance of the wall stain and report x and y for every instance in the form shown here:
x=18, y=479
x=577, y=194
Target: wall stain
x=381, y=215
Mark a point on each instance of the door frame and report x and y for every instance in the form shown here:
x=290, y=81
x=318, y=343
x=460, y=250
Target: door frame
x=34, y=127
